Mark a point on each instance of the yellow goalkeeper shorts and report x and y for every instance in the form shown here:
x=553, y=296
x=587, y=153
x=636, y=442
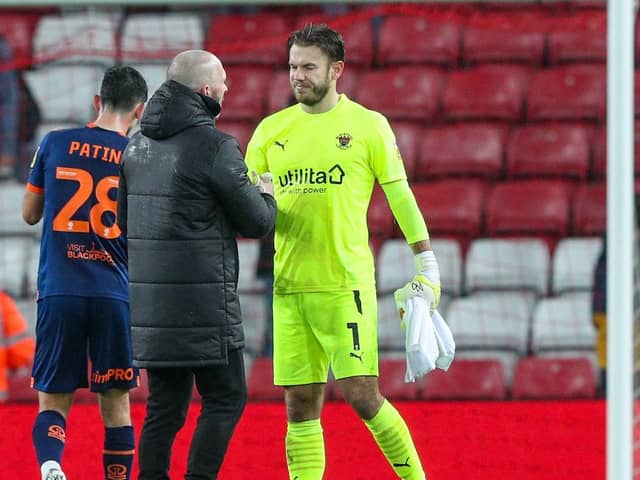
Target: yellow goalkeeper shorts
x=315, y=331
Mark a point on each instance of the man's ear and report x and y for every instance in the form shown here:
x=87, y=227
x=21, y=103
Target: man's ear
x=97, y=103
x=138, y=111
x=337, y=68
x=204, y=90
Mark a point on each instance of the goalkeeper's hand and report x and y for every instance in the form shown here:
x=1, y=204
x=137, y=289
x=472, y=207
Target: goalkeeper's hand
x=425, y=284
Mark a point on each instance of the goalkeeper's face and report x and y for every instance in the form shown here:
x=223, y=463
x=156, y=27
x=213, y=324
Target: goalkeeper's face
x=310, y=74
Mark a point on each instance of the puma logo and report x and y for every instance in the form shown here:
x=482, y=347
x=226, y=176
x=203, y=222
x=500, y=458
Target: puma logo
x=355, y=355
x=405, y=464
x=281, y=145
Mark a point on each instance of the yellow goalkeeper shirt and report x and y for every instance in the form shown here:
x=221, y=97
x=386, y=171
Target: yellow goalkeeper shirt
x=324, y=167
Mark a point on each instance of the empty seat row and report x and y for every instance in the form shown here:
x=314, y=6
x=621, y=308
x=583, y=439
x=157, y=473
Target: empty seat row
x=566, y=151
x=535, y=377
x=419, y=93
x=467, y=379
x=493, y=264
x=445, y=36
x=542, y=208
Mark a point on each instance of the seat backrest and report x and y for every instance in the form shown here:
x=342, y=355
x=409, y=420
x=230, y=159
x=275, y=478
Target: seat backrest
x=249, y=38
x=379, y=217
x=447, y=213
x=433, y=39
x=246, y=99
x=512, y=36
x=538, y=378
x=402, y=93
x=408, y=136
x=574, y=263
x=563, y=322
x=528, y=207
x=590, y=209
x=570, y=92
x=395, y=265
x=160, y=36
x=490, y=320
x=76, y=37
x=549, y=150
x=65, y=93
x=17, y=29
x=485, y=92
x=507, y=264
x=464, y=149
x=155, y=74
x=578, y=36
x=467, y=379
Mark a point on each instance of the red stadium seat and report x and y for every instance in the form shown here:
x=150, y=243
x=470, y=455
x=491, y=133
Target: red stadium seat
x=529, y=207
x=402, y=93
x=467, y=379
x=486, y=92
x=466, y=149
x=599, y=169
x=392, y=384
x=590, y=209
x=568, y=92
x=553, y=378
x=18, y=30
x=260, y=382
x=433, y=39
x=408, y=136
x=246, y=99
x=241, y=130
x=249, y=39
x=279, y=94
x=379, y=218
x=578, y=36
x=356, y=30
x=512, y=36
x=447, y=210
x=556, y=150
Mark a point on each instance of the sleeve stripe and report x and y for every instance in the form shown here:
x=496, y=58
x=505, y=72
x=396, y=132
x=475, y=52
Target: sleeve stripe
x=32, y=188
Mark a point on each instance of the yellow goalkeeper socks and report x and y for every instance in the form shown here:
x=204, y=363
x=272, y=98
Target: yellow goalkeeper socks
x=305, y=450
x=393, y=437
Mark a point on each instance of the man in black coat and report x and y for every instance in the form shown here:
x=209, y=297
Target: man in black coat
x=184, y=196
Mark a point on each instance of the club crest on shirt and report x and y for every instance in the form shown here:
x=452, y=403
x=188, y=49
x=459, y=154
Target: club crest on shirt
x=344, y=141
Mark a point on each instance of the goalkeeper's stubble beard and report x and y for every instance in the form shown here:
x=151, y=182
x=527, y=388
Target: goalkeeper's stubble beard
x=315, y=93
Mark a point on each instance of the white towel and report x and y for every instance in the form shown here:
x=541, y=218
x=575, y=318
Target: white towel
x=429, y=343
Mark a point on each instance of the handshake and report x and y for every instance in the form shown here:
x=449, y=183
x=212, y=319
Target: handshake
x=264, y=182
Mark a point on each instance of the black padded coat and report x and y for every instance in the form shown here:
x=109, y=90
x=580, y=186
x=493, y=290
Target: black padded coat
x=184, y=196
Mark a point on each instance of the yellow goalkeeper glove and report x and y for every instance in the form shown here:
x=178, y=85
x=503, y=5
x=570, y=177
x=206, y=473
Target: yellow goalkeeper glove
x=425, y=284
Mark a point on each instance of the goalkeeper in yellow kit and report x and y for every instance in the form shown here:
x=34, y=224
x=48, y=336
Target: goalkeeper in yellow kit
x=324, y=155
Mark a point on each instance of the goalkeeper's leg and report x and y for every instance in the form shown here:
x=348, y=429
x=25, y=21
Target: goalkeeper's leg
x=385, y=423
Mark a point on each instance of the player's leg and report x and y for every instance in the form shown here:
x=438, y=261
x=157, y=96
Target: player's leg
x=168, y=402
x=354, y=359
x=49, y=433
x=112, y=375
x=224, y=395
x=59, y=368
x=301, y=366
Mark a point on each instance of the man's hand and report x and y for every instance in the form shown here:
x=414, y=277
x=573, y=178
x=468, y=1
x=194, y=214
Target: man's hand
x=264, y=182
x=425, y=284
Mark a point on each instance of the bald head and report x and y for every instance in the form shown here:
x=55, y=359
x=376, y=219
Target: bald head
x=195, y=68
